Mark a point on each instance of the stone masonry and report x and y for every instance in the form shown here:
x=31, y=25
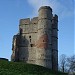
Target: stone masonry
x=37, y=40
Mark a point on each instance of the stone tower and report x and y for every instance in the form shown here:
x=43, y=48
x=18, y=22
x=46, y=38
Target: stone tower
x=37, y=40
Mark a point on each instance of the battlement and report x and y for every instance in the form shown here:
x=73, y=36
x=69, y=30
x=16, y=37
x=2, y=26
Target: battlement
x=27, y=21
x=34, y=20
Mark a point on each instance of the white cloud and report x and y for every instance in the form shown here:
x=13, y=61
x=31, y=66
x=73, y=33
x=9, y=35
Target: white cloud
x=61, y=8
x=36, y=4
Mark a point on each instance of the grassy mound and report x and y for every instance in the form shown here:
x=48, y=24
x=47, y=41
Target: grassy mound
x=20, y=68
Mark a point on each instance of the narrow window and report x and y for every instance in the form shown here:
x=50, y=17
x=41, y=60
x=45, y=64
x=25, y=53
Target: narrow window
x=43, y=41
x=30, y=40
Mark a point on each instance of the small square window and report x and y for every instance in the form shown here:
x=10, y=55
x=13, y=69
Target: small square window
x=31, y=45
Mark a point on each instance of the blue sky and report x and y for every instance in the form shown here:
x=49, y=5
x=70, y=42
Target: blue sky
x=11, y=11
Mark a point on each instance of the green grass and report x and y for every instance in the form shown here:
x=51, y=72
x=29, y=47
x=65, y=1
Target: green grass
x=20, y=68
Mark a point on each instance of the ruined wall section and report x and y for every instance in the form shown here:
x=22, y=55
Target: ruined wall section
x=28, y=39
x=15, y=48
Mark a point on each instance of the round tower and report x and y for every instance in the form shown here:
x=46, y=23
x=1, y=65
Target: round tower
x=43, y=44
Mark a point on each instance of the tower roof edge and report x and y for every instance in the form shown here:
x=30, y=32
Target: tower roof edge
x=45, y=7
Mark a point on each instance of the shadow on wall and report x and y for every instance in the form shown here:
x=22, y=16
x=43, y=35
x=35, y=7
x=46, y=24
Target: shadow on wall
x=23, y=51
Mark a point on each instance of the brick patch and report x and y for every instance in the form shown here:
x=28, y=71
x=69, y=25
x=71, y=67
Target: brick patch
x=42, y=42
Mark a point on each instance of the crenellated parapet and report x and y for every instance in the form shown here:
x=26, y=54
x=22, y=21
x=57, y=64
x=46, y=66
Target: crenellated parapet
x=29, y=25
x=34, y=20
x=27, y=21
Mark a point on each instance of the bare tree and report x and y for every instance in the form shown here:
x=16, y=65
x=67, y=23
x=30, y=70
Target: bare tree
x=67, y=64
x=62, y=63
x=71, y=64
